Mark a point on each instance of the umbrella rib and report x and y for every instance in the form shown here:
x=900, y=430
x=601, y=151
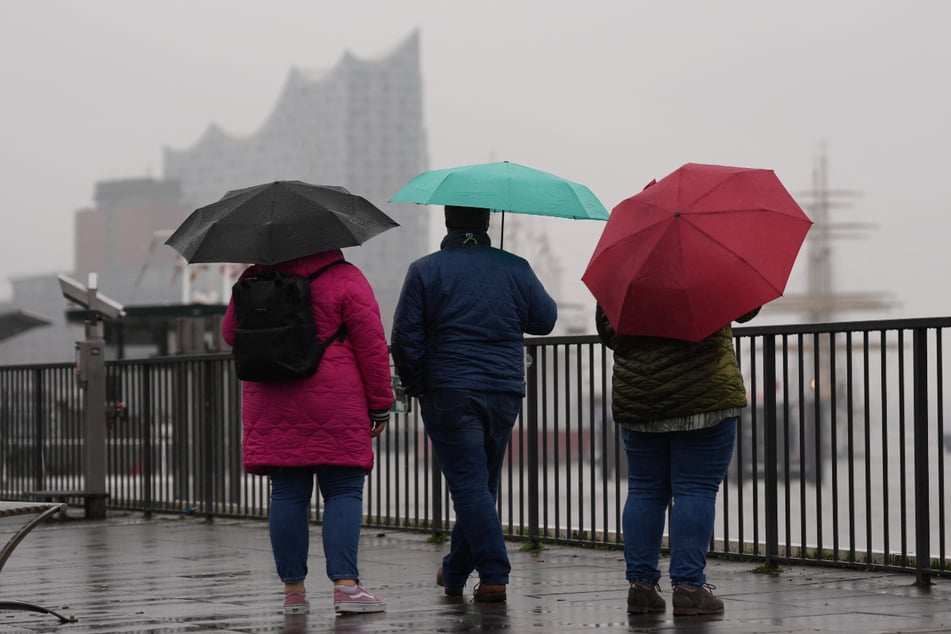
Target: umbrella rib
x=754, y=210
x=442, y=181
x=724, y=181
x=738, y=256
x=718, y=186
x=633, y=236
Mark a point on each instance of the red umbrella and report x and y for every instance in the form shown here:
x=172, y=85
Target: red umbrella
x=694, y=251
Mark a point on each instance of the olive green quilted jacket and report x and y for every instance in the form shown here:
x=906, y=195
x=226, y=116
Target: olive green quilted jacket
x=665, y=384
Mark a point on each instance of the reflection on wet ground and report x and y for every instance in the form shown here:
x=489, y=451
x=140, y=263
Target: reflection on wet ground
x=180, y=574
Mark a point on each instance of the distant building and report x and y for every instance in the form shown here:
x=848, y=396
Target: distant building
x=116, y=233
x=45, y=344
x=116, y=239
x=359, y=125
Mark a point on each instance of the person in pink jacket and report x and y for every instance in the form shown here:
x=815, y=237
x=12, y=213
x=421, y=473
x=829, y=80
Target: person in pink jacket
x=322, y=425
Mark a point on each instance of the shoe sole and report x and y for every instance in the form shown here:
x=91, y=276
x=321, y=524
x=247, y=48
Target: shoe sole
x=296, y=609
x=646, y=610
x=357, y=608
x=695, y=612
x=492, y=598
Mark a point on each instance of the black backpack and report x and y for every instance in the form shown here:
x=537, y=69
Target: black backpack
x=276, y=338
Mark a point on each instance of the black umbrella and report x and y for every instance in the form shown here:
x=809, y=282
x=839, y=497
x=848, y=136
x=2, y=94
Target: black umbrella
x=278, y=221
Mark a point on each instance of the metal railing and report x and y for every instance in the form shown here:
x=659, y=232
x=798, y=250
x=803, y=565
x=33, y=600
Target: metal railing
x=840, y=457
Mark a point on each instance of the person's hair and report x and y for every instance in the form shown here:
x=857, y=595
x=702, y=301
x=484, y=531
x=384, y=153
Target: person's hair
x=476, y=218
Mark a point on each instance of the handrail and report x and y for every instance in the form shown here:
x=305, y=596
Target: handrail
x=839, y=456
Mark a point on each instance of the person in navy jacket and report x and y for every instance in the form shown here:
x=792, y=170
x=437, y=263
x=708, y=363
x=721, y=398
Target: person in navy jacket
x=457, y=345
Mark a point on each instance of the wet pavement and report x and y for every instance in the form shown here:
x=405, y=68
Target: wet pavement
x=180, y=574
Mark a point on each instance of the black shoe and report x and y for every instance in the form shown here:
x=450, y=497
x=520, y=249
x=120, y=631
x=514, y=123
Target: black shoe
x=690, y=600
x=643, y=598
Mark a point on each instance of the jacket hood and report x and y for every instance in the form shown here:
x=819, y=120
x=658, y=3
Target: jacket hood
x=304, y=265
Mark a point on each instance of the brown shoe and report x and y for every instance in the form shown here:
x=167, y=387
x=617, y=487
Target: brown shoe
x=452, y=592
x=643, y=598
x=690, y=600
x=489, y=593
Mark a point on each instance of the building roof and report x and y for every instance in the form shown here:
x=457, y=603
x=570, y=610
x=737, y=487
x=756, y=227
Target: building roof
x=14, y=321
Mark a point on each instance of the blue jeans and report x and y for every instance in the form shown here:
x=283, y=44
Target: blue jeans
x=683, y=470
x=289, y=519
x=470, y=433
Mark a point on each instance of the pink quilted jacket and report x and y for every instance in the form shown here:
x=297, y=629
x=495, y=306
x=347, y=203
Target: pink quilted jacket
x=323, y=419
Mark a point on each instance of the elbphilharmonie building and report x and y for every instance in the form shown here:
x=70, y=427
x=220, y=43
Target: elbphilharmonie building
x=359, y=125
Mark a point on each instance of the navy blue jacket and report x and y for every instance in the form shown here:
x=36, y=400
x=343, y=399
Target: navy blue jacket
x=461, y=317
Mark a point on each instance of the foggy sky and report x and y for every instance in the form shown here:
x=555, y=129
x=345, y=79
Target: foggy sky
x=609, y=93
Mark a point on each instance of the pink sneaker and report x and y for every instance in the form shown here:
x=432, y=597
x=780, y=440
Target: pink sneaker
x=296, y=603
x=356, y=600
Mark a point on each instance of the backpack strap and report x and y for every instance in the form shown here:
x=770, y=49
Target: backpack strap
x=313, y=276
x=340, y=335
x=342, y=330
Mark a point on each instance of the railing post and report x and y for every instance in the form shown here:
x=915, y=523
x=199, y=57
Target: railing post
x=922, y=464
x=207, y=440
x=92, y=378
x=147, y=463
x=39, y=435
x=770, y=461
x=437, y=497
x=181, y=436
x=531, y=410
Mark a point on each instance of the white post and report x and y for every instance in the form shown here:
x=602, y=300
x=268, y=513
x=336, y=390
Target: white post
x=186, y=282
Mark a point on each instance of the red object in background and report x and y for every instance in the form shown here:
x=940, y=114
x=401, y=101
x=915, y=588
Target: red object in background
x=694, y=251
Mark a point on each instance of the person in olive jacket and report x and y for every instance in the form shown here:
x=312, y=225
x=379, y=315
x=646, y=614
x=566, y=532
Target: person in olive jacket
x=677, y=403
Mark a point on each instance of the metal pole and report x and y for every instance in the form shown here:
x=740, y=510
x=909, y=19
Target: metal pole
x=531, y=409
x=770, y=461
x=207, y=441
x=922, y=491
x=437, y=497
x=147, y=428
x=39, y=416
x=92, y=377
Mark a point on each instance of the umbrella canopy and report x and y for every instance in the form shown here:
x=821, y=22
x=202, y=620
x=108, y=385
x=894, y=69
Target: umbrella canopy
x=694, y=251
x=278, y=221
x=503, y=187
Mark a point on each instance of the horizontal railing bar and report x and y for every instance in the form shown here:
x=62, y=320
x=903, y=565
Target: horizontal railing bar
x=839, y=486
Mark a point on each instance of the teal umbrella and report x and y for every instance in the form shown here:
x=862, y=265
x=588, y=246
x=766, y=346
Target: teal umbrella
x=504, y=187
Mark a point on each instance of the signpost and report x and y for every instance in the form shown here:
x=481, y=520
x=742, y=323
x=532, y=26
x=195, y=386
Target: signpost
x=91, y=374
